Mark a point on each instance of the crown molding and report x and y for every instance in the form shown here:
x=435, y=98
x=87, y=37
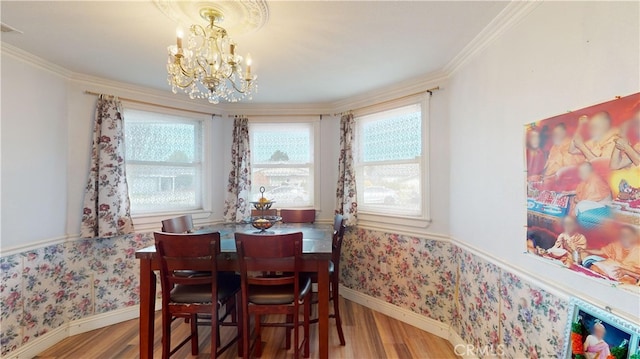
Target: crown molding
x=34, y=60
x=509, y=16
x=404, y=88
x=255, y=109
x=141, y=93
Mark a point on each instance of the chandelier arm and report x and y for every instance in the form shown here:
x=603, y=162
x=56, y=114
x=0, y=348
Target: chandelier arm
x=236, y=86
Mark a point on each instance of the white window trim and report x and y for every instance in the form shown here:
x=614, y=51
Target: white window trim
x=315, y=121
x=399, y=221
x=144, y=221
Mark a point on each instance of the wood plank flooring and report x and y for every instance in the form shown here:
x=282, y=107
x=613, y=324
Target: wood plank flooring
x=369, y=334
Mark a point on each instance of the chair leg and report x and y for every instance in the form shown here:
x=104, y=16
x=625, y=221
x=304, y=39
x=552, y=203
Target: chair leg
x=336, y=311
x=166, y=335
x=246, y=333
x=258, y=319
x=240, y=328
x=194, y=334
x=296, y=334
x=215, y=333
x=288, y=337
x=307, y=316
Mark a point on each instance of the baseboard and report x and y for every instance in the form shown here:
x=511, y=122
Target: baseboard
x=419, y=321
x=76, y=327
x=40, y=344
x=460, y=346
x=412, y=318
x=103, y=320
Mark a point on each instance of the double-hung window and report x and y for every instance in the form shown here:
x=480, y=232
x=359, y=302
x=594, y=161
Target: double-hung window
x=390, y=162
x=282, y=161
x=164, y=162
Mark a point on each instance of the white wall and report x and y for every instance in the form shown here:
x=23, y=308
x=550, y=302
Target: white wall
x=34, y=147
x=562, y=56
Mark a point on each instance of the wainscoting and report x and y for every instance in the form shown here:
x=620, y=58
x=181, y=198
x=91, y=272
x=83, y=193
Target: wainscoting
x=67, y=288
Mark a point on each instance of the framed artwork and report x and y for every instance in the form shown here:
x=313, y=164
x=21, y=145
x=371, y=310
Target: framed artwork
x=594, y=333
x=583, y=190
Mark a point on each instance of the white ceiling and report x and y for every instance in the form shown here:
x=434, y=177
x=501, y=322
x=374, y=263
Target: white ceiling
x=308, y=51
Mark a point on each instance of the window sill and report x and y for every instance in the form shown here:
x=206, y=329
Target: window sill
x=393, y=223
x=152, y=221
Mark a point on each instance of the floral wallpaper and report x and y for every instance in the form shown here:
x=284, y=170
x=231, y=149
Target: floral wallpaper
x=428, y=276
x=45, y=288
x=486, y=305
x=532, y=320
x=475, y=316
x=496, y=311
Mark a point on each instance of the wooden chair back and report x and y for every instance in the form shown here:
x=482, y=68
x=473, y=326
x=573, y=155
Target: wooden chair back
x=187, y=252
x=182, y=224
x=268, y=212
x=269, y=254
x=298, y=215
x=339, y=228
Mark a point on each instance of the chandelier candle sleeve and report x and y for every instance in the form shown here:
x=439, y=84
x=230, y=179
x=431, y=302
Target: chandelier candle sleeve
x=179, y=35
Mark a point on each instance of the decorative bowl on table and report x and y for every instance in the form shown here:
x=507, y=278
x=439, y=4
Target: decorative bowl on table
x=262, y=205
x=264, y=222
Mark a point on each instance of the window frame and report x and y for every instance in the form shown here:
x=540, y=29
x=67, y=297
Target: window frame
x=314, y=123
x=374, y=219
x=147, y=220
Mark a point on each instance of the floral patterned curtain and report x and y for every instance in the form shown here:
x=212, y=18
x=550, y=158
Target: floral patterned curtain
x=107, y=210
x=346, y=200
x=237, y=205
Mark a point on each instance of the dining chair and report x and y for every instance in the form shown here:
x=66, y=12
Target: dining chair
x=339, y=228
x=187, y=296
x=182, y=224
x=273, y=294
x=298, y=215
x=267, y=212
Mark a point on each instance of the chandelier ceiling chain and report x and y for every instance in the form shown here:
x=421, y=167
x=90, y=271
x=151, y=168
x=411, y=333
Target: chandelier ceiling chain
x=207, y=66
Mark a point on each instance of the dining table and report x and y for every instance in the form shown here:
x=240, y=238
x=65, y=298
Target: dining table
x=316, y=254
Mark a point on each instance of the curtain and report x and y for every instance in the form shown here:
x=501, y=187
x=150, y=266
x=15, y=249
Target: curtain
x=346, y=200
x=237, y=206
x=107, y=210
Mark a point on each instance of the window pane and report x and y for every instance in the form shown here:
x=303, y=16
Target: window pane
x=156, y=137
x=282, y=162
x=391, y=135
x=163, y=188
x=289, y=187
x=389, y=162
x=392, y=189
x=163, y=155
x=275, y=143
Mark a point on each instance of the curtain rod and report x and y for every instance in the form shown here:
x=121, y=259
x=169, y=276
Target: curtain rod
x=430, y=91
x=321, y=115
x=157, y=105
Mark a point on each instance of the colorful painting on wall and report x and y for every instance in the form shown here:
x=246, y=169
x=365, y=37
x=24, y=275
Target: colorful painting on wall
x=583, y=190
x=597, y=334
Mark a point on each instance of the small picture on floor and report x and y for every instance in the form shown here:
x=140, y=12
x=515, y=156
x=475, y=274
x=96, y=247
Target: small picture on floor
x=594, y=338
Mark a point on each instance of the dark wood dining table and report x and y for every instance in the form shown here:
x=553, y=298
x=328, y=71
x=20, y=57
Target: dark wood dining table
x=316, y=254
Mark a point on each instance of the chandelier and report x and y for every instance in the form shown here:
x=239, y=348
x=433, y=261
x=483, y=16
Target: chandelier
x=208, y=66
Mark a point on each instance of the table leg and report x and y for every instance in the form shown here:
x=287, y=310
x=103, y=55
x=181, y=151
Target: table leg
x=147, y=308
x=323, y=309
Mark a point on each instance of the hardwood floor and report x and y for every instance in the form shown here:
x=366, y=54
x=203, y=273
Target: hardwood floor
x=369, y=334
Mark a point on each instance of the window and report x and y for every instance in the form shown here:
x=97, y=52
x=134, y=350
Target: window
x=390, y=162
x=282, y=161
x=164, y=162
